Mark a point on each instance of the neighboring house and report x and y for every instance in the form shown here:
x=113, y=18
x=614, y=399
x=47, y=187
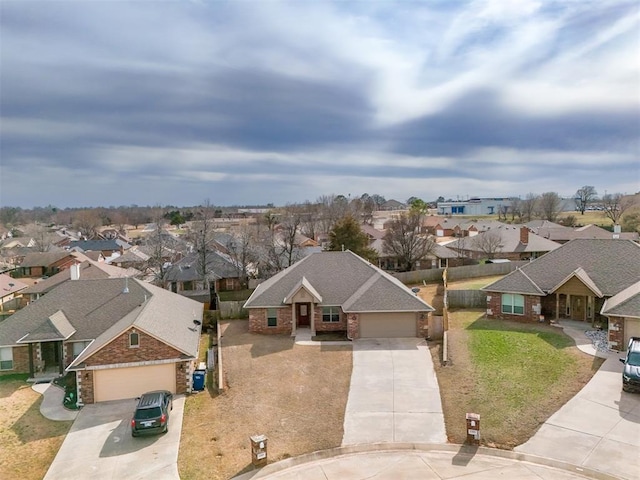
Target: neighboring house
x=504, y=242
x=392, y=205
x=132, y=258
x=452, y=227
x=561, y=234
x=185, y=276
x=571, y=282
x=83, y=270
x=121, y=337
x=337, y=291
x=107, y=248
x=10, y=291
x=623, y=311
x=40, y=264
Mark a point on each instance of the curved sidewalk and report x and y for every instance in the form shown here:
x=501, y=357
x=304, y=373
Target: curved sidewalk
x=51, y=406
x=420, y=461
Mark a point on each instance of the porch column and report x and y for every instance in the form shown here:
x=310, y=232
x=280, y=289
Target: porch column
x=567, y=306
x=557, y=306
x=312, y=322
x=31, y=366
x=61, y=356
x=294, y=320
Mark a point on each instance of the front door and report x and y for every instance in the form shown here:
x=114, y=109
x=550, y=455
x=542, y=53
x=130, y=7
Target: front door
x=302, y=314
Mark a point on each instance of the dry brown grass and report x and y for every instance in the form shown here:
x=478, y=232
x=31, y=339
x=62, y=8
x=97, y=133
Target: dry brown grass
x=506, y=422
x=29, y=442
x=295, y=395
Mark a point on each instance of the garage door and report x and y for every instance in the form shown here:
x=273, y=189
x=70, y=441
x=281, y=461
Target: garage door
x=119, y=383
x=387, y=325
x=631, y=329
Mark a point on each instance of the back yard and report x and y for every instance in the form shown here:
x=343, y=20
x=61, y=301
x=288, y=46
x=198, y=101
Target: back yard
x=295, y=395
x=29, y=441
x=514, y=375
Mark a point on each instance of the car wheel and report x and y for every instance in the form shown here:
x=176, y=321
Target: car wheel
x=626, y=389
x=134, y=434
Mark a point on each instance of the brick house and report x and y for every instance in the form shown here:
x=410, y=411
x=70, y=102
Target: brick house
x=337, y=291
x=121, y=337
x=585, y=279
x=41, y=264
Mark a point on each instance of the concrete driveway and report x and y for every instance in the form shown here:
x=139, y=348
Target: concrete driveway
x=394, y=394
x=100, y=446
x=599, y=428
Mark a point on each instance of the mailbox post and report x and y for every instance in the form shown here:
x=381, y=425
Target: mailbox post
x=473, y=428
x=259, y=450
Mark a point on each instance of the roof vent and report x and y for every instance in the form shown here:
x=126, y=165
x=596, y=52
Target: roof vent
x=126, y=285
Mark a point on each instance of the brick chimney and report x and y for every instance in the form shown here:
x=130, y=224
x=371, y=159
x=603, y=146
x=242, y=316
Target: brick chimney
x=524, y=235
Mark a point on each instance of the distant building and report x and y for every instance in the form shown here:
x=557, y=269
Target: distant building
x=475, y=206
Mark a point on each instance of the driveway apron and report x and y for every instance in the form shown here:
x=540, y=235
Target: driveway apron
x=394, y=394
x=599, y=428
x=100, y=446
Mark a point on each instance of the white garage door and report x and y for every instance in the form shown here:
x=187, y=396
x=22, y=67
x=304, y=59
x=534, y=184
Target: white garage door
x=631, y=329
x=120, y=383
x=387, y=325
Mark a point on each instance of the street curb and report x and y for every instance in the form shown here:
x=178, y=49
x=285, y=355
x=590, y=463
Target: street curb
x=421, y=447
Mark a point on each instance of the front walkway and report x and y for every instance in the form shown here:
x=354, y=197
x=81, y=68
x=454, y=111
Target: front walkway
x=394, y=394
x=51, y=406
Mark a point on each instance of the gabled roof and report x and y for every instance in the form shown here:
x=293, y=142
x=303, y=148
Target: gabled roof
x=303, y=284
x=583, y=276
x=611, y=266
x=519, y=282
x=96, y=245
x=89, y=270
x=624, y=304
x=102, y=309
x=43, y=259
x=219, y=266
x=340, y=279
x=509, y=241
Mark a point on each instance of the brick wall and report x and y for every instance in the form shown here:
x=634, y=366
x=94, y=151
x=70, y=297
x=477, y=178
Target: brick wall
x=258, y=321
x=353, y=326
x=20, y=361
x=118, y=351
x=182, y=377
x=616, y=334
x=85, y=386
x=321, y=326
x=495, y=305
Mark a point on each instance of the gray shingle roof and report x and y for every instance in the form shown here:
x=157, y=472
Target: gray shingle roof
x=100, y=309
x=38, y=259
x=509, y=241
x=95, y=245
x=186, y=270
x=612, y=266
x=341, y=279
x=624, y=304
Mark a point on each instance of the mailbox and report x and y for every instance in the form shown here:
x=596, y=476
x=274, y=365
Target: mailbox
x=259, y=450
x=473, y=428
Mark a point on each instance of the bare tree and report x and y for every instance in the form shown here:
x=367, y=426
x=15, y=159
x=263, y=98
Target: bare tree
x=549, y=206
x=204, y=228
x=615, y=204
x=87, y=222
x=288, y=231
x=242, y=250
x=309, y=219
x=515, y=209
x=528, y=206
x=584, y=196
x=489, y=243
x=403, y=239
x=161, y=247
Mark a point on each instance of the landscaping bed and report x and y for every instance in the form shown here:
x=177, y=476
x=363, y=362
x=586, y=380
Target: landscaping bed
x=514, y=375
x=29, y=441
x=295, y=395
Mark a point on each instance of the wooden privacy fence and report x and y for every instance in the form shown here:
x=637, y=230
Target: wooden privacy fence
x=466, y=299
x=457, y=273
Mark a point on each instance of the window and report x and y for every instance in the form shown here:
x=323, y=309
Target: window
x=134, y=340
x=6, y=358
x=330, y=314
x=513, y=303
x=78, y=347
x=187, y=285
x=272, y=317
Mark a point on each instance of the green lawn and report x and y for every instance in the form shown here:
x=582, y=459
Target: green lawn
x=514, y=375
x=473, y=283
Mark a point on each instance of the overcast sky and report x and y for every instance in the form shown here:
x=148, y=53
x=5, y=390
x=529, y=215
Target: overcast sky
x=174, y=102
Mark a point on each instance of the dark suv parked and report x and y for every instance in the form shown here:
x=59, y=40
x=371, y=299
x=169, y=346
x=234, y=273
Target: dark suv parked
x=152, y=413
x=631, y=371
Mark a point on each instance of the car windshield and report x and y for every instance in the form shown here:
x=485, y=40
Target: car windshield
x=146, y=413
x=634, y=359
